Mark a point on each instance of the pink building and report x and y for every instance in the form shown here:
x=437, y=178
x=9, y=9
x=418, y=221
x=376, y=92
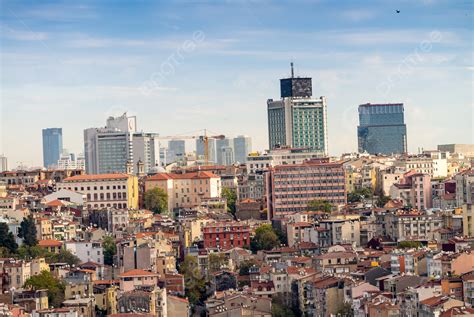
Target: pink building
x=414, y=189
x=137, y=278
x=291, y=187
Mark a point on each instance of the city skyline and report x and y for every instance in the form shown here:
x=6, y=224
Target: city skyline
x=75, y=61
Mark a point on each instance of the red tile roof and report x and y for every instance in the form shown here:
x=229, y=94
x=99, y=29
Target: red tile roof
x=50, y=243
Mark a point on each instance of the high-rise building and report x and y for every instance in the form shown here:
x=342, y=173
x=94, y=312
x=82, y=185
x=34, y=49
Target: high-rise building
x=222, y=146
x=297, y=120
x=176, y=150
x=52, y=146
x=211, y=147
x=111, y=149
x=289, y=188
x=3, y=163
x=382, y=129
x=242, y=148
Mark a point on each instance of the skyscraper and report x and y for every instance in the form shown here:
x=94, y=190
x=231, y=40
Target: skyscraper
x=176, y=150
x=297, y=120
x=3, y=163
x=382, y=129
x=52, y=146
x=211, y=148
x=221, y=145
x=109, y=149
x=242, y=148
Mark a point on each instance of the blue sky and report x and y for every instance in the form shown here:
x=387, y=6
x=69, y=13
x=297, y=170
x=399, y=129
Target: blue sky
x=182, y=66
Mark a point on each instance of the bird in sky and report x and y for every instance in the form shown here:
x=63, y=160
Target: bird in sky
x=398, y=11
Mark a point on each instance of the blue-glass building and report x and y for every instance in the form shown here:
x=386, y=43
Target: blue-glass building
x=52, y=146
x=382, y=129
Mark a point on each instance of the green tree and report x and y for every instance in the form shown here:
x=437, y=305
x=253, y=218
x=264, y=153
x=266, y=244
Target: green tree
x=156, y=200
x=359, y=194
x=280, y=308
x=320, y=205
x=382, y=200
x=265, y=238
x=110, y=249
x=26, y=252
x=64, y=256
x=409, y=244
x=46, y=280
x=230, y=196
x=28, y=231
x=245, y=266
x=7, y=239
x=345, y=310
x=216, y=262
x=194, y=281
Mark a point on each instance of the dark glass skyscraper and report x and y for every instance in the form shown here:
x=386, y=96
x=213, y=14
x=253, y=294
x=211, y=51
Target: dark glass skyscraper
x=382, y=129
x=52, y=146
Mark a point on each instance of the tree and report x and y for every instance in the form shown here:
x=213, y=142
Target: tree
x=230, y=196
x=7, y=239
x=64, y=256
x=156, y=200
x=359, y=194
x=245, y=266
x=110, y=249
x=345, y=310
x=409, y=244
x=265, y=238
x=28, y=231
x=46, y=280
x=320, y=205
x=194, y=282
x=280, y=308
x=382, y=200
x=216, y=262
x=26, y=252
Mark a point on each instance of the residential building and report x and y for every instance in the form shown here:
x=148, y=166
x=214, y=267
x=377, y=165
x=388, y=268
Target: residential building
x=226, y=235
x=289, y=188
x=414, y=189
x=136, y=278
x=261, y=162
x=86, y=251
x=464, y=149
x=105, y=190
x=117, y=146
x=464, y=187
x=382, y=129
x=52, y=146
x=298, y=119
x=186, y=189
x=401, y=226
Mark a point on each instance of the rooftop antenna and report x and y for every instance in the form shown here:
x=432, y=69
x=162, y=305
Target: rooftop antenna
x=292, y=71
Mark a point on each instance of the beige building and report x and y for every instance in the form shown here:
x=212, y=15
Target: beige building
x=187, y=189
x=105, y=190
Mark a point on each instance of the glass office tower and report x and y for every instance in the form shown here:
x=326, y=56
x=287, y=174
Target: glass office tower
x=382, y=129
x=52, y=146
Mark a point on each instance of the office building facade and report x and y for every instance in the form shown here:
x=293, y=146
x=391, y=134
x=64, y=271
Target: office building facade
x=3, y=163
x=242, y=148
x=297, y=120
x=211, y=147
x=382, y=129
x=52, y=146
x=289, y=188
x=176, y=150
x=111, y=149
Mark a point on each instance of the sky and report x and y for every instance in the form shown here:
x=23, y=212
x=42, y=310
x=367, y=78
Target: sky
x=183, y=66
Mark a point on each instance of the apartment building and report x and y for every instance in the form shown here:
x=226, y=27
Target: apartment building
x=186, y=190
x=226, y=235
x=105, y=190
x=291, y=187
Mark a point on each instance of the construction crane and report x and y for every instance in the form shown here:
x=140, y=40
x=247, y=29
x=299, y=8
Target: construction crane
x=203, y=137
